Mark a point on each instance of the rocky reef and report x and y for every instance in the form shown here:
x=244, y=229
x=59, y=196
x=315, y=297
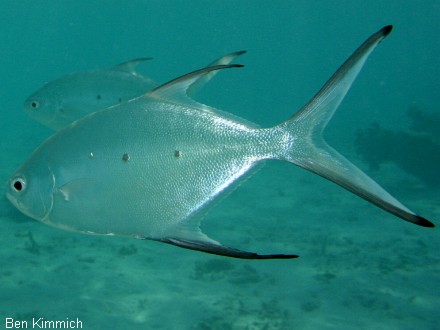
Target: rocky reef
x=416, y=150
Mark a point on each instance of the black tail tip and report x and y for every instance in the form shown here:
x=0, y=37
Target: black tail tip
x=424, y=222
x=387, y=29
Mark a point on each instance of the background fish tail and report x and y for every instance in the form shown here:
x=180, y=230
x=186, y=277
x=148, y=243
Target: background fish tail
x=304, y=144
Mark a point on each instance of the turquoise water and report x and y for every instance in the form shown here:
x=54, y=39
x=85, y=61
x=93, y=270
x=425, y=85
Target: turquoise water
x=360, y=268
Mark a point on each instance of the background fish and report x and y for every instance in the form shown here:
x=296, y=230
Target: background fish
x=151, y=167
x=75, y=95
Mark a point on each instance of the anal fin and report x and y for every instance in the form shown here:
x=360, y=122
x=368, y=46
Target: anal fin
x=213, y=248
x=188, y=235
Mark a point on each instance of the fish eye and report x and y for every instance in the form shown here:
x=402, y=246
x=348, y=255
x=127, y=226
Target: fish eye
x=35, y=104
x=18, y=184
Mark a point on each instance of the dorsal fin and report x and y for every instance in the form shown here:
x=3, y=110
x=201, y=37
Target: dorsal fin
x=131, y=65
x=176, y=90
x=224, y=60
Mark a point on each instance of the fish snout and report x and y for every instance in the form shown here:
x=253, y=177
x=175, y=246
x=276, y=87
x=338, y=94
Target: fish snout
x=32, y=198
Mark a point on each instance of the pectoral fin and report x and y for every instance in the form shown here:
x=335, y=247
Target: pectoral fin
x=75, y=190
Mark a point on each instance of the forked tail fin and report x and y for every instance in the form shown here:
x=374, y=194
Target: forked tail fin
x=307, y=148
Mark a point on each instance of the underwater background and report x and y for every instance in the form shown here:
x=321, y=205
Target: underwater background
x=359, y=267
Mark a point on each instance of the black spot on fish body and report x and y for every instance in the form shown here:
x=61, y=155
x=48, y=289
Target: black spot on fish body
x=35, y=104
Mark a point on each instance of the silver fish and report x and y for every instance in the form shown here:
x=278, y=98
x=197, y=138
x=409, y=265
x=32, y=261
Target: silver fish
x=151, y=169
x=75, y=95
x=70, y=97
